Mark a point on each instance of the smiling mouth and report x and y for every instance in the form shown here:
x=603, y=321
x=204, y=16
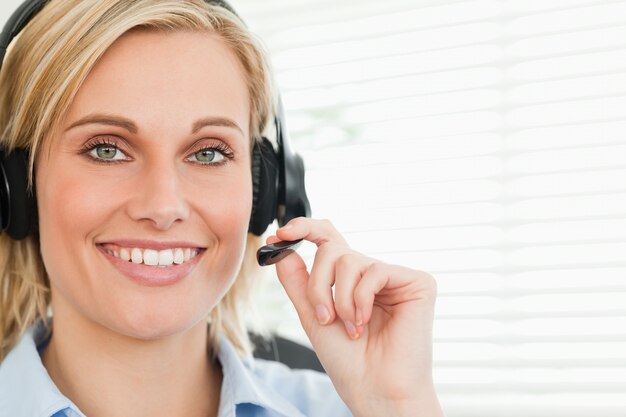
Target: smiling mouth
x=151, y=257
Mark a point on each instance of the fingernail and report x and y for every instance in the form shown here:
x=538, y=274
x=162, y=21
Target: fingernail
x=323, y=316
x=359, y=317
x=351, y=329
x=287, y=227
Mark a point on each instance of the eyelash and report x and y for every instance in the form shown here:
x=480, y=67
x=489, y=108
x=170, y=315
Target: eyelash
x=96, y=142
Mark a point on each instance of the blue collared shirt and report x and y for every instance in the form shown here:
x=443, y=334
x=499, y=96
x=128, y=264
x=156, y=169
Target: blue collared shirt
x=250, y=387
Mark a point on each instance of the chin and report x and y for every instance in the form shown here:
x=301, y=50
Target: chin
x=155, y=324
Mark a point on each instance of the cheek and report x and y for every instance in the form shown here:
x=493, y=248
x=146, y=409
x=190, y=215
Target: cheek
x=231, y=210
x=226, y=212
x=69, y=207
x=224, y=201
x=69, y=200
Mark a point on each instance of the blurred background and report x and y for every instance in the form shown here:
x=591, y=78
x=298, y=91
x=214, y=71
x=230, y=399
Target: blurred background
x=481, y=141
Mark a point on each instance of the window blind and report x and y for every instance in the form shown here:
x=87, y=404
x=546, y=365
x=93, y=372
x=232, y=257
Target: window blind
x=481, y=141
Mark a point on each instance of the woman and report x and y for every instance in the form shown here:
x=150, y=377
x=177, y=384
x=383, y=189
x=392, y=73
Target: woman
x=139, y=118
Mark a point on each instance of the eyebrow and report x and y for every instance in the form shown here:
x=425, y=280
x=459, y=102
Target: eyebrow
x=105, y=119
x=215, y=121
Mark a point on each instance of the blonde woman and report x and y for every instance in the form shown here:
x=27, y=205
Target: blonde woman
x=138, y=119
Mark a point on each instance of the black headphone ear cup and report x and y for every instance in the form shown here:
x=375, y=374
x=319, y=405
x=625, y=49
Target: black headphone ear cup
x=264, y=186
x=18, y=207
x=296, y=201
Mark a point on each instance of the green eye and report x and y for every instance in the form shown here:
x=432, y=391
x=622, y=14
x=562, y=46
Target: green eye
x=106, y=152
x=207, y=156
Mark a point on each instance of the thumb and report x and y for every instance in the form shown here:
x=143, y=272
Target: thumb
x=294, y=277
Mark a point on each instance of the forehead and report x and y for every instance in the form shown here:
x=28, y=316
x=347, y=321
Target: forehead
x=166, y=78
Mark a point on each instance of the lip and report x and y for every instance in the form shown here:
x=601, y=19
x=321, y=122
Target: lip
x=153, y=276
x=151, y=244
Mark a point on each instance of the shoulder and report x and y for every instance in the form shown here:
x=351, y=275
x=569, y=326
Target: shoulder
x=25, y=386
x=312, y=391
x=273, y=386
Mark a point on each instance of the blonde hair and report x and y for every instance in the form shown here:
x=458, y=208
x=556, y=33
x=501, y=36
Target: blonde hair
x=40, y=77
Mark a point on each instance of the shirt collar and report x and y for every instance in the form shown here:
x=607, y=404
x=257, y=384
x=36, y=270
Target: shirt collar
x=241, y=385
x=26, y=388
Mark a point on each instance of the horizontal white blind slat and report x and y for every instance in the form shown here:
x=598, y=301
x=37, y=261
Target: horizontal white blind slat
x=570, y=18
x=542, y=6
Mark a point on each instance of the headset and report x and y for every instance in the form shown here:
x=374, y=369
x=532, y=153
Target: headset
x=277, y=174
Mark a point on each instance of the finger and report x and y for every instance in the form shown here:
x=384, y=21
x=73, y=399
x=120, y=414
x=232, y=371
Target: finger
x=271, y=239
x=293, y=276
x=348, y=271
x=391, y=285
x=313, y=230
x=321, y=280
x=372, y=282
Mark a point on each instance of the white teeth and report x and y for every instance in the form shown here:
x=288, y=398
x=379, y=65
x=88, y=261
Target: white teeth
x=152, y=257
x=124, y=254
x=166, y=257
x=179, y=256
x=135, y=256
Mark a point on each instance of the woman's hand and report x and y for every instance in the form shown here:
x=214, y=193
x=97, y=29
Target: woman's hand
x=374, y=337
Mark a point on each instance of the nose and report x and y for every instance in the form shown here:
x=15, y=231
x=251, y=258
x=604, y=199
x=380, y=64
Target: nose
x=158, y=198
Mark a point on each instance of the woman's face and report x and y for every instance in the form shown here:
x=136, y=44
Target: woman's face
x=152, y=163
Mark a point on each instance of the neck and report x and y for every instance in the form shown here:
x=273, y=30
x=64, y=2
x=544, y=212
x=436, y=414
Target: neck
x=107, y=374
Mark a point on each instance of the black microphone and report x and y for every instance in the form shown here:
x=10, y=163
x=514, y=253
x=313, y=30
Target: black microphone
x=270, y=254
